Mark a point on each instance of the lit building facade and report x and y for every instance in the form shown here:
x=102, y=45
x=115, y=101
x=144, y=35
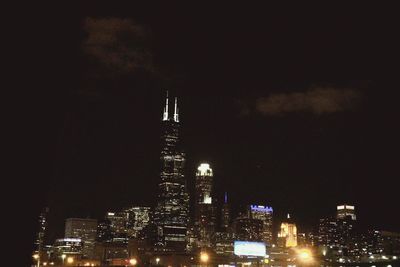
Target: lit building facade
x=71, y=247
x=118, y=225
x=171, y=212
x=344, y=211
x=225, y=214
x=287, y=236
x=84, y=229
x=223, y=243
x=40, y=238
x=204, y=209
x=138, y=218
x=264, y=214
x=248, y=229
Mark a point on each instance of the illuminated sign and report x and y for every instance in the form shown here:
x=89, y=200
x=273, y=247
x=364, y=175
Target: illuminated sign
x=261, y=208
x=247, y=248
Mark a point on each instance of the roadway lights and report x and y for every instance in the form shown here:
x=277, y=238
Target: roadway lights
x=204, y=257
x=304, y=255
x=70, y=260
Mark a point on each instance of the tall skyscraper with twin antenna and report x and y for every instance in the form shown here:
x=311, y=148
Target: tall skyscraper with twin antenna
x=172, y=211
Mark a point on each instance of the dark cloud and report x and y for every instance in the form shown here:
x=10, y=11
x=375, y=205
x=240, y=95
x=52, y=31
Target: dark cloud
x=120, y=45
x=315, y=100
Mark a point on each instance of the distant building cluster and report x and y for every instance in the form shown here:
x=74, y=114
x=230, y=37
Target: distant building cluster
x=167, y=234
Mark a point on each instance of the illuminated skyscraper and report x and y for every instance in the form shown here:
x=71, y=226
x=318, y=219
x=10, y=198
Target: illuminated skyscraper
x=204, y=209
x=86, y=230
x=171, y=213
x=39, y=242
x=344, y=211
x=264, y=214
x=118, y=226
x=225, y=213
x=287, y=236
x=138, y=219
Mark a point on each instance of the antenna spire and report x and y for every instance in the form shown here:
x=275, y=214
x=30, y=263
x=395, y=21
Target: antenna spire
x=176, y=110
x=165, y=115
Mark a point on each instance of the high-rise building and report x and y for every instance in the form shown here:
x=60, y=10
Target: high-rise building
x=344, y=211
x=40, y=238
x=104, y=231
x=118, y=226
x=225, y=214
x=247, y=229
x=204, y=209
x=223, y=243
x=138, y=219
x=67, y=246
x=171, y=212
x=264, y=214
x=287, y=236
x=84, y=229
x=328, y=232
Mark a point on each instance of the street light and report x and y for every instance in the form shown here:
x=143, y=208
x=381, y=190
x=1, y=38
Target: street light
x=157, y=260
x=305, y=255
x=204, y=258
x=133, y=261
x=37, y=258
x=70, y=260
x=63, y=256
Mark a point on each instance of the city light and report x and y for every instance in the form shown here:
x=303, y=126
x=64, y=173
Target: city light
x=247, y=248
x=36, y=256
x=70, y=260
x=204, y=257
x=133, y=261
x=157, y=260
x=304, y=255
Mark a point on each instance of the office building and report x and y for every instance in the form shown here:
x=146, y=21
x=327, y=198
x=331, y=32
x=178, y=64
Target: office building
x=204, y=209
x=84, y=229
x=287, y=236
x=171, y=212
x=264, y=214
x=344, y=211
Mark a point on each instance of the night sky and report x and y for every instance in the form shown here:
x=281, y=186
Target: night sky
x=293, y=107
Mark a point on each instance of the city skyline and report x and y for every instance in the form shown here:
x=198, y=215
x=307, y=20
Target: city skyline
x=292, y=109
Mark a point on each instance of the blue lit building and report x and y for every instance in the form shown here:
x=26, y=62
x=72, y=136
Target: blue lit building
x=264, y=214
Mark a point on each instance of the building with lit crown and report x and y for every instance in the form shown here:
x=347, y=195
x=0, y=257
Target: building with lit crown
x=264, y=214
x=287, y=236
x=204, y=209
x=344, y=211
x=171, y=212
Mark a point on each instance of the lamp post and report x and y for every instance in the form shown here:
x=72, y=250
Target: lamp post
x=204, y=258
x=37, y=258
x=157, y=261
x=63, y=256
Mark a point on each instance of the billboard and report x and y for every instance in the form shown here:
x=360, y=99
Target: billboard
x=248, y=248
